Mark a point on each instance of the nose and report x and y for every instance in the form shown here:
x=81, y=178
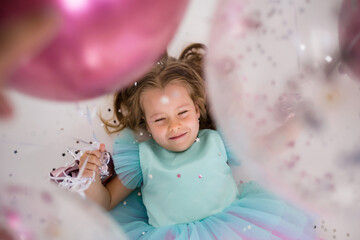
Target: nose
x=174, y=124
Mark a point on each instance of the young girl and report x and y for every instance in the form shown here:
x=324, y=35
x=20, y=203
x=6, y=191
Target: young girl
x=184, y=185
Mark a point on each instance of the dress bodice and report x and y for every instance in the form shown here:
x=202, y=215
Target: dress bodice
x=180, y=187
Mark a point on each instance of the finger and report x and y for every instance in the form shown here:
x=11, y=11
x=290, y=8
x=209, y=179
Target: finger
x=95, y=153
x=90, y=159
x=93, y=160
x=84, y=156
x=102, y=147
x=91, y=167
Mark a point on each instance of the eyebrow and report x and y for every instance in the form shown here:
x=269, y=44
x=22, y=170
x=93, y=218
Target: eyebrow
x=183, y=105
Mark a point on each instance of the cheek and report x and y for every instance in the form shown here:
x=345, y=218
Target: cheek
x=193, y=123
x=157, y=131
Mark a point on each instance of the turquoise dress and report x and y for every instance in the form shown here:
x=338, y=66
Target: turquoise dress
x=192, y=195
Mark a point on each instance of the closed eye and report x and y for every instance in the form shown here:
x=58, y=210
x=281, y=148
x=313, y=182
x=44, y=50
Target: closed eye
x=160, y=119
x=183, y=112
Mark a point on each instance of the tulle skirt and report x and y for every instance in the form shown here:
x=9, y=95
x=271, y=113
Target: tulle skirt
x=255, y=214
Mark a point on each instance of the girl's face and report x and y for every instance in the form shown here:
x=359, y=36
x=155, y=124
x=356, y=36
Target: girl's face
x=171, y=116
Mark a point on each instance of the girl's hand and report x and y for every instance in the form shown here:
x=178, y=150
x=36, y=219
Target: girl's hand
x=93, y=162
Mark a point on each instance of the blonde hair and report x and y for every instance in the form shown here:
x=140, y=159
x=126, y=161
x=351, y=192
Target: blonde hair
x=186, y=70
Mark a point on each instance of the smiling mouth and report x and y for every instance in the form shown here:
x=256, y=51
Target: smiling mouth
x=178, y=136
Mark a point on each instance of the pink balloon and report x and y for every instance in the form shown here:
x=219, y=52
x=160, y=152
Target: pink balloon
x=101, y=45
x=349, y=36
x=10, y=10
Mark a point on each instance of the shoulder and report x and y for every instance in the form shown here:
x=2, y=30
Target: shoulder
x=209, y=133
x=149, y=146
x=126, y=136
x=213, y=140
x=148, y=143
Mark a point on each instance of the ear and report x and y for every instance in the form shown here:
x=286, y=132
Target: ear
x=197, y=110
x=147, y=127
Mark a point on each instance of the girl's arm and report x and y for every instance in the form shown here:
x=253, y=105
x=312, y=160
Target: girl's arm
x=106, y=196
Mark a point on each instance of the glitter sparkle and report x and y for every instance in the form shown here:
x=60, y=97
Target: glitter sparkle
x=164, y=100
